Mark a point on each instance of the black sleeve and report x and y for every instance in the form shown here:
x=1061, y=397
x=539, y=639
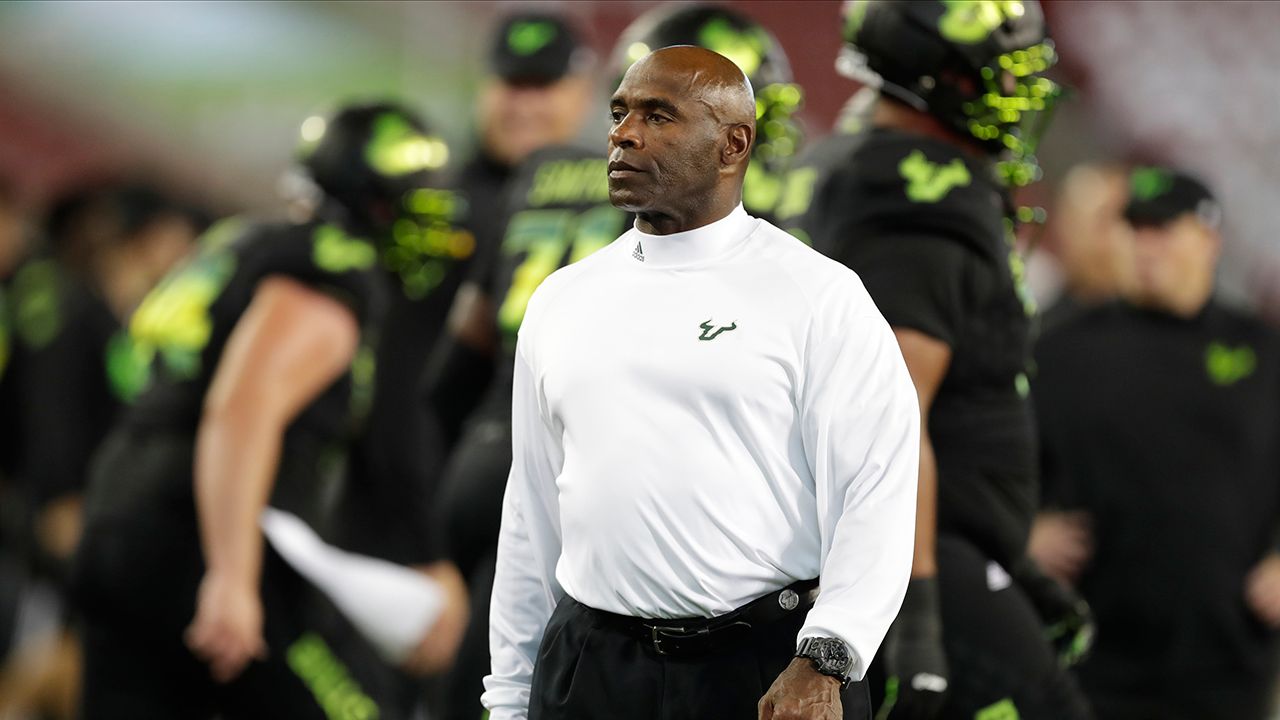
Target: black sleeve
x=916, y=281
x=326, y=258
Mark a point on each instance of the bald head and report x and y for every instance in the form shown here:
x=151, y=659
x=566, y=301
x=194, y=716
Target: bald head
x=683, y=126
x=707, y=76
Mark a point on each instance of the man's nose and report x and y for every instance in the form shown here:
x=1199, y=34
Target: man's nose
x=626, y=134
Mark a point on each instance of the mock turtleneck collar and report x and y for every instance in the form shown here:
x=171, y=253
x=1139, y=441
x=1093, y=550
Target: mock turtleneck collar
x=692, y=246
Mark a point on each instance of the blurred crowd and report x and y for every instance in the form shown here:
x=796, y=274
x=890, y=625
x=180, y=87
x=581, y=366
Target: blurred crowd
x=1158, y=406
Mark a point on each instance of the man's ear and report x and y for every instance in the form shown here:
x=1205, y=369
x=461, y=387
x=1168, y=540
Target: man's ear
x=737, y=148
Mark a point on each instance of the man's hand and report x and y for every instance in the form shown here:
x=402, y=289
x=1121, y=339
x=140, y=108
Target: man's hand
x=227, y=629
x=914, y=657
x=802, y=693
x=439, y=647
x=1061, y=544
x=1262, y=590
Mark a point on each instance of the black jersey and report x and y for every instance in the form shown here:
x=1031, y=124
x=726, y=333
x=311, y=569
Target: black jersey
x=1167, y=431
x=61, y=388
x=924, y=226
x=394, y=462
x=558, y=212
x=182, y=326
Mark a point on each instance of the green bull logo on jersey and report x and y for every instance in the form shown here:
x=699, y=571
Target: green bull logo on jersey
x=335, y=251
x=711, y=332
x=1228, y=365
x=929, y=182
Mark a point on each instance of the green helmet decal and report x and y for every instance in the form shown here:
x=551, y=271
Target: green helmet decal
x=970, y=21
x=855, y=12
x=746, y=48
x=528, y=37
x=1149, y=183
x=396, y=148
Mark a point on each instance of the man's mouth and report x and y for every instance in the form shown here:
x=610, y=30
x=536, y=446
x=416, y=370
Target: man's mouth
x=620, y=169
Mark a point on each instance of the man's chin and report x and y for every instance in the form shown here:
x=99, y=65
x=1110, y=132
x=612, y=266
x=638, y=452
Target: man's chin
x=627, y=199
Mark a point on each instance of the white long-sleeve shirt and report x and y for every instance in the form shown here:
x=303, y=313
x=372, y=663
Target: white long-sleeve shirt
x=700, y=419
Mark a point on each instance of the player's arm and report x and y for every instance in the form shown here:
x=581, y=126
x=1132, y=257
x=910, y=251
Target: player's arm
x=525, y=591
x=928, y=359
x=289, y=346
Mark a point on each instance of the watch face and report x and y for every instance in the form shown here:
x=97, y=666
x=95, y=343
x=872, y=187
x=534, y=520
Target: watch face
x=833, y=655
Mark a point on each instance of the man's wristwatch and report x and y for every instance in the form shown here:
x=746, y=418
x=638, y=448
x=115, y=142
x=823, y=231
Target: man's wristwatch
x=830, y=657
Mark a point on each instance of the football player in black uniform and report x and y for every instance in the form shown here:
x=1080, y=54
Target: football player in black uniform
x=558, y=212
x=253, y=347
x=1160, y=421
x=917, y=203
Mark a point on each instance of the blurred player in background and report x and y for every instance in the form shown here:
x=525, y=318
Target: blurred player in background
x=1160, y=422
x=535, y=95
x=108, y=246
x=917, y=202
x=250, y=390
x=558, y=212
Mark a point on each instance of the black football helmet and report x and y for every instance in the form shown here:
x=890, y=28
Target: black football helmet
x=369, y=157
x=977, y=65
x=744, y=41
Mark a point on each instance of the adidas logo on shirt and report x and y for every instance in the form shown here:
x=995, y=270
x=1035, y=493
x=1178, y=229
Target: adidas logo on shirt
x=638, y=253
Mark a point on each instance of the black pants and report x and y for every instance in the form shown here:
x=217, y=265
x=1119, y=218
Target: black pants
x=135, y=583
x=1001, y=664
x=589, y=668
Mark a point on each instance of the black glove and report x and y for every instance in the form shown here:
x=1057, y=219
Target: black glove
x=1066, y=616
x=914, y=658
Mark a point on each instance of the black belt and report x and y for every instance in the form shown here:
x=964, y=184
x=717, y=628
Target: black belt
x=697, y=636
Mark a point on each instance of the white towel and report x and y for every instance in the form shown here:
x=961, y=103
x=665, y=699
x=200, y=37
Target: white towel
x=391, y=605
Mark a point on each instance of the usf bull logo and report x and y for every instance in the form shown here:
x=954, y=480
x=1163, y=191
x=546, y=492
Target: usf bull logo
x=711, y=332
x=929, y=182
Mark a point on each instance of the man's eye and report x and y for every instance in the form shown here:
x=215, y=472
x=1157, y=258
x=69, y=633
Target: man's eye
x=656, y=118
x=615, y=116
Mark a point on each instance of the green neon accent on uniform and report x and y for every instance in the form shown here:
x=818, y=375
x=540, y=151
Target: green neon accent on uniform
x=528, y=37
x=174, y=319
x=328, y=679
x=1148, y=183
x=707, y=327
x=797, y=192
x=890, y=698
x=746, y=48
x=1022, y=385
x=970, y=21
x=396, y=148
x=853, y=18
x=37, y=303
x=1003, y=710
x=929, y=182
x=1226, y=365
x=336, y=252
x=550, y=238
x=761, y=189
x=565, y=182
x=128, y=366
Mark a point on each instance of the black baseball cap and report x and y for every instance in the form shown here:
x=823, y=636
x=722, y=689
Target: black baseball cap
x=535, y=48
x=1160, y=195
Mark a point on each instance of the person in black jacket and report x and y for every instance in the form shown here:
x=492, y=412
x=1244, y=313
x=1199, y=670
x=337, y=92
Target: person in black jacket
x=1160, y=423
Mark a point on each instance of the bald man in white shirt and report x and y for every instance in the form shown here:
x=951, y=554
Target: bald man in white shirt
x=711, y=422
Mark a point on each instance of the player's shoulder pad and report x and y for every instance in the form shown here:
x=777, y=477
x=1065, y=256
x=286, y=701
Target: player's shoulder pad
x=324, y=245
x=905, y=183
x=560, y=176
